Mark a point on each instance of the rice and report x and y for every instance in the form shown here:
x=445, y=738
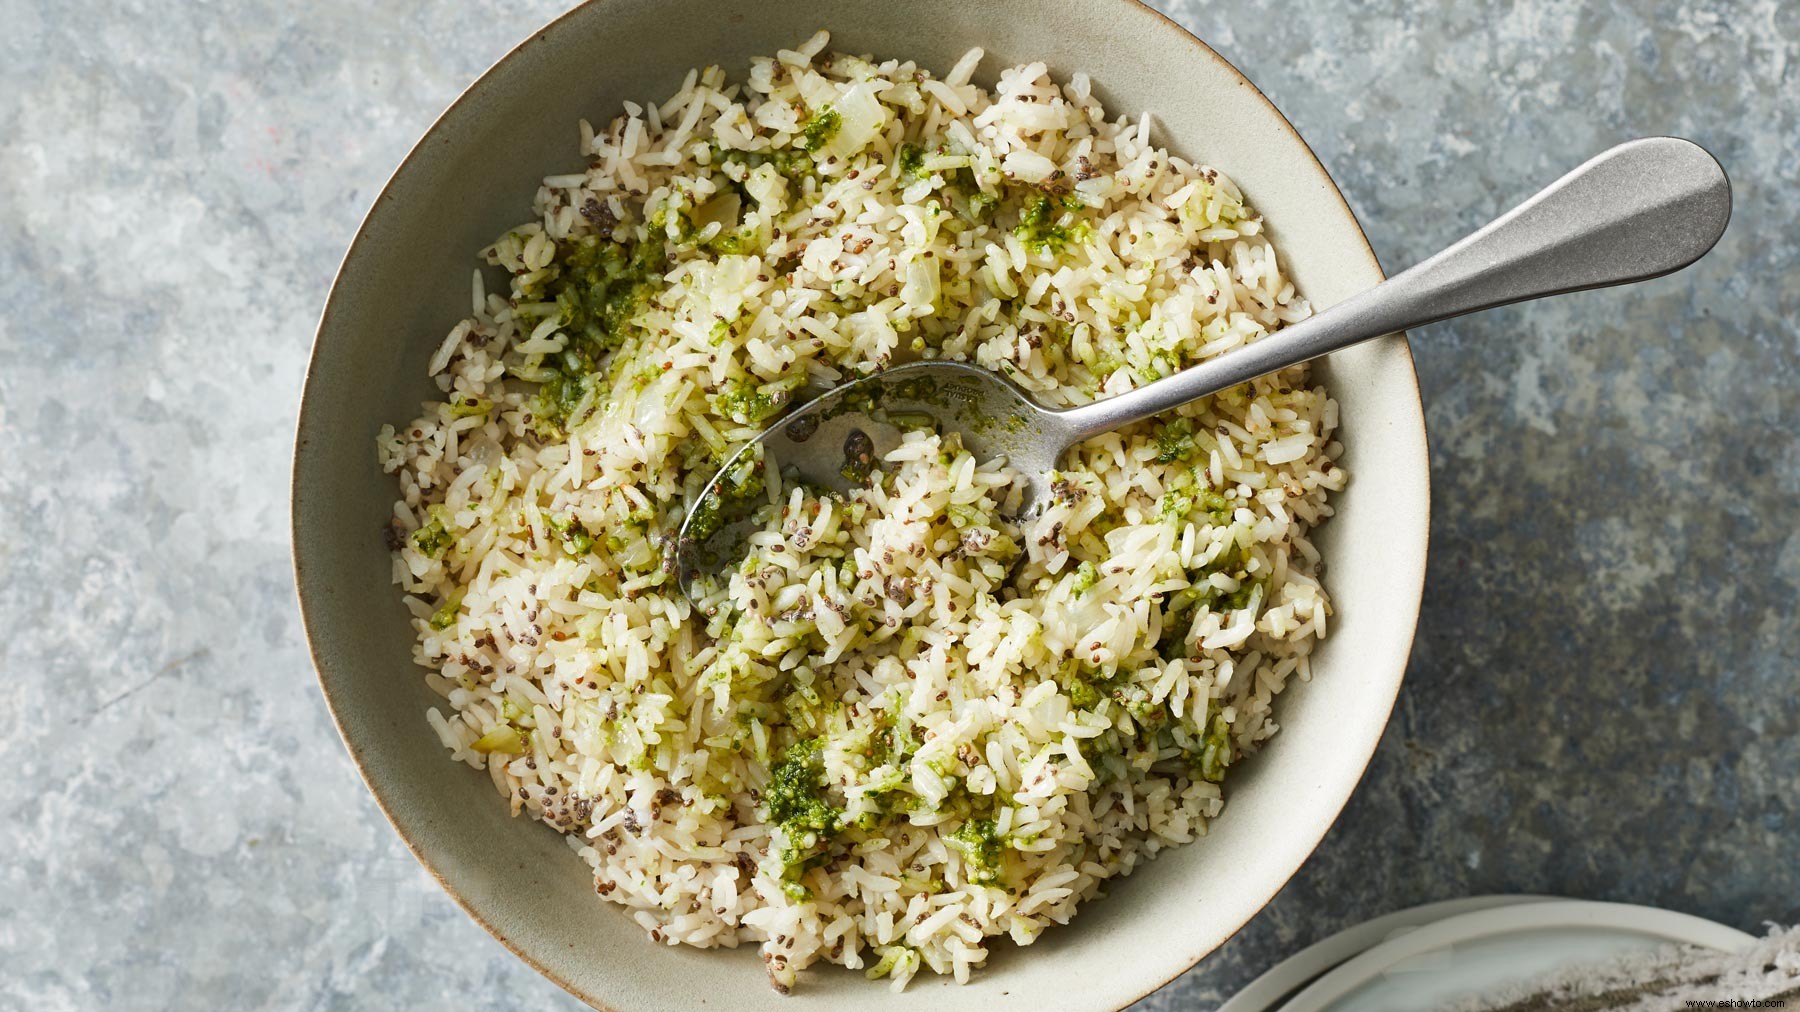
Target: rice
x=906, y=725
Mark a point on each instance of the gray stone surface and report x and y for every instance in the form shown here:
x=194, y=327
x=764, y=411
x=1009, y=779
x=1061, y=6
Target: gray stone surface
x=1603, y=700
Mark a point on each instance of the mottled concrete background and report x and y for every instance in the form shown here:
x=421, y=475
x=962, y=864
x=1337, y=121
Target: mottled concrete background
x=1602, y=702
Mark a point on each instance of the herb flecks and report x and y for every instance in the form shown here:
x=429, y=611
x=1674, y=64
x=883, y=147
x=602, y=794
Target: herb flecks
x=432, y=538
x=982, y=847
x=794, y=802
x=1046, y=224
x=819, y=129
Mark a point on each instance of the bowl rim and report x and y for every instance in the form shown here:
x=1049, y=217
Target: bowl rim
x=418, y=149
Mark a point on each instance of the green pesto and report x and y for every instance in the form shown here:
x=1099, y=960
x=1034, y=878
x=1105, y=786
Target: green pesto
x=748, y=402
x=1086, y=576
x=795, y=802
x=819, y=129
x=982, y=846
x=555, y=398
x=1103, y=752
x=791, y=164
x=1083, y=694
x=1162, y=363
x=1085, y=687
x=434, y=537
x=1175, y=440
x=1185, y=496
x=706, y=519
x=975, y=206
x=805, y=709
x=1181, y=605
x=911, y=160
x=1102, y=368
x=1173, y=644
x=600, y=284
x=569, y=531
x=1040, y=225
x=968, y=200
x=445, y=616
x=731, y=243
x=742, y=487
x=894, y=742
x=1235, y=564
x=1136, y=700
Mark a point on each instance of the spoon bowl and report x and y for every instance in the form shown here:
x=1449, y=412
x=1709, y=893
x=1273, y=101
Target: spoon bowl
x=833, y=441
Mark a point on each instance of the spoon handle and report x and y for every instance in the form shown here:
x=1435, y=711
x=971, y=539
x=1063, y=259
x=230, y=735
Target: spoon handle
x=1636, y=211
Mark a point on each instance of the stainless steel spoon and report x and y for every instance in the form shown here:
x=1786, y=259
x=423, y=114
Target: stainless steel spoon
x=1639, y=210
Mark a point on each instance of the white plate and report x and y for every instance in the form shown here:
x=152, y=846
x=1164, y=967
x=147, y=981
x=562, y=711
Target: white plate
x=1280, y=981
x=1474, y=952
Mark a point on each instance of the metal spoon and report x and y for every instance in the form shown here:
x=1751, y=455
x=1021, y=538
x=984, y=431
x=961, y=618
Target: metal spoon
x=1637, y=211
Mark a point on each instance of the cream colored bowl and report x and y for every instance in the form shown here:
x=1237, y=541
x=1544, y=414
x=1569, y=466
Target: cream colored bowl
x=405, y=282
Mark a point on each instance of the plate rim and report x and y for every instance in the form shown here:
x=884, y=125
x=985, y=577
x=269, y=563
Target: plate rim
x=1654, y=922
x=1286, y=979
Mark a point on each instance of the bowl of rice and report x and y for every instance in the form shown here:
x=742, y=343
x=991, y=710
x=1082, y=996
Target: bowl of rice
x=914, y=749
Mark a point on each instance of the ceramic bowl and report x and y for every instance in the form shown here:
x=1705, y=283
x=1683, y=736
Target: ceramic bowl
x=404, y=282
